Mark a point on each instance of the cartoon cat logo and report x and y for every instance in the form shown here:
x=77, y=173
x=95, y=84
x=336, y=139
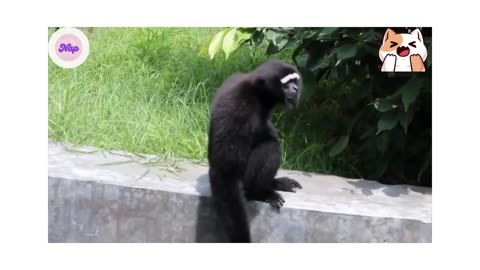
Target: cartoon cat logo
x=403, y=52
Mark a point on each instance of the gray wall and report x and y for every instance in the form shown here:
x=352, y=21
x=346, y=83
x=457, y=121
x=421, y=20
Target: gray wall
x=99, y=196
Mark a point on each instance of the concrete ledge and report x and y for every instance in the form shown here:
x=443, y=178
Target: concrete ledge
x=99, y=196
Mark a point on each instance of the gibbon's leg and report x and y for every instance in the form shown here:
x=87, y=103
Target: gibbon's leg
x=230, y=205
x=263, y=163
x=282, y=183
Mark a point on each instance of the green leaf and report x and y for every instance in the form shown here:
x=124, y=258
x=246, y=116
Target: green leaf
x=369, y=36
x=272, y=36
x=248, y=30
x=229, y=43
x=257, y=38
x=387, y=121
x=346, y=51
x=405, y=118
x=308, y=34
x=320, y=63
x=216, y=43
x=282, y=44
x=327, y=31
x=271, y=48
x=309, y=83
x=383, y=105
x=339, y=146
x=410, y=91
x=428, y=44
x=243, y=35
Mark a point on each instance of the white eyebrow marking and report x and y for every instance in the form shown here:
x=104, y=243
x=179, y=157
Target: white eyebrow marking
x=289, y=77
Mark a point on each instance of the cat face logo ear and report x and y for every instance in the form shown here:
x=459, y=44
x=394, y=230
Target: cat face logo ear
x=388, y=34
x=417, y=34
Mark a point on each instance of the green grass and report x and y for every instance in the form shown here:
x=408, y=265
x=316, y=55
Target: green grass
x=146, y=90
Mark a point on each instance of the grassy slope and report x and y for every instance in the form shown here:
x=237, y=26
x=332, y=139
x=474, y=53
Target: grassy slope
x=147, y=91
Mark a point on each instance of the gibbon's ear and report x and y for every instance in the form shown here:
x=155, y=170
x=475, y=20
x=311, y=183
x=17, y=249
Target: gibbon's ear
x=388, y=34
x=417, y=34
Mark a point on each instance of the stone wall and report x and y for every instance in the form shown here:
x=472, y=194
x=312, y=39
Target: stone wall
x=98, y=196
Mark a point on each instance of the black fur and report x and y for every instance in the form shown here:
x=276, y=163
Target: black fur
x=243, y=149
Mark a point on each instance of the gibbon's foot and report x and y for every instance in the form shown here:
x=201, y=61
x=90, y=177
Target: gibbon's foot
x=286, y=184
x=275, y=200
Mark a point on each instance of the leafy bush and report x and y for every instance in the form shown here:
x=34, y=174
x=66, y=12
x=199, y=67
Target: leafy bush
x=379, y=124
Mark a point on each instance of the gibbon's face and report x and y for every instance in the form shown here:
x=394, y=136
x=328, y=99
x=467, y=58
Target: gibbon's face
x=291, y=86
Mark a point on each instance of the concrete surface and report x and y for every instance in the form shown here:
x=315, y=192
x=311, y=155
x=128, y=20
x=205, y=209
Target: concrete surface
x=114, y=196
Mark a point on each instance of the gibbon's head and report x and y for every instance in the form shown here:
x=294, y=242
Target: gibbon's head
x=279, y=82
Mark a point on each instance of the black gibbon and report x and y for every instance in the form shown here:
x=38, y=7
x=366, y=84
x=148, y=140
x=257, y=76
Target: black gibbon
x=243, y=149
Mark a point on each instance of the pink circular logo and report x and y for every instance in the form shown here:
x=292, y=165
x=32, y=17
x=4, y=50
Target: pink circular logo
x=68, y=47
